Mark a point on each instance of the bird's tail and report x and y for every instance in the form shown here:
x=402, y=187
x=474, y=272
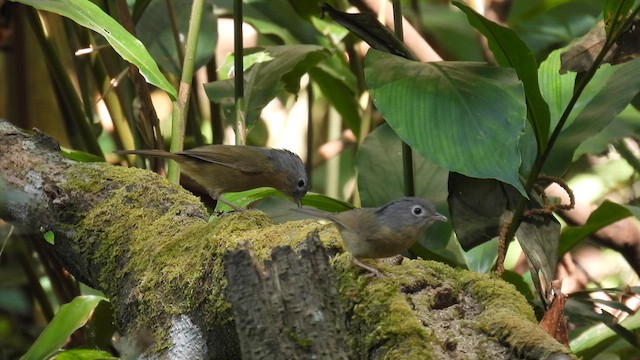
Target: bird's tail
x=314, y=212
x=154, y=153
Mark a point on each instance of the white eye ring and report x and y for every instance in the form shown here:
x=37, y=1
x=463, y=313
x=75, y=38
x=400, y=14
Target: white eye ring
x=417, y=210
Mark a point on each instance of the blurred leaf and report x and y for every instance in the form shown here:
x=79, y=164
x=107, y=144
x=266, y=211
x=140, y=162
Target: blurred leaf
x=450, y=29
x=138, y=9
x=614, y=304
x=246, y=198
x=68, y=319
x=518, y=281
x=615, y=13
x=626, y=123
x=607, y=213
x=87, y=14
x=538, y=237
x=277, y=18
x=80, y=156
x=84, y=354
x=280, y=68
x=594, y=340
x=367, y=27
x=510, y=51
x=481, y=258
x=379, y=166
x=579, y=57
x=338, y=85
x=546, y=25
x=325, y=203
x=465, y=117
x=49, y=237
x=616, y=93
x=155, y=30
x=556, y=89
x=479, y=207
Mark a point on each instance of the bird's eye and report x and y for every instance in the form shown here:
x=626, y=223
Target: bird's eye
x=301, y=183
x=417, y=210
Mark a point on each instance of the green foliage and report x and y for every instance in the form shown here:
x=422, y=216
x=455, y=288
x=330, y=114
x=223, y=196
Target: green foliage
x=270, y=71
x=69, y=318
x=447, y=112
x=87, y=14
x=480, y=134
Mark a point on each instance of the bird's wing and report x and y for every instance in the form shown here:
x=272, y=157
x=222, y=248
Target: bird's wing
x=235, y=157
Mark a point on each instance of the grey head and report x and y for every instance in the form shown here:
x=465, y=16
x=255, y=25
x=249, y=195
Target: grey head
x=408, y=212
x=294, y=182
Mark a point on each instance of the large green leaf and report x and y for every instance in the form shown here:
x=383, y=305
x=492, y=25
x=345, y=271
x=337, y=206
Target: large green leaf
x=619, y=85
x=68, y=319
x=379, y=165
x=510, y=51
x=278, y=68
x=87, y=14
x=465, y=117
x=604, y=215
x=155, y=30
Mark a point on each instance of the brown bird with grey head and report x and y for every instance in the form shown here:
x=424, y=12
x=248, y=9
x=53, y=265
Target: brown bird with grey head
x=384, y=231
x=231, y=168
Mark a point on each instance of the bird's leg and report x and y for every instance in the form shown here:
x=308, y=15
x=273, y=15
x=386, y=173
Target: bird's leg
x=230, y=204
x=372, y=271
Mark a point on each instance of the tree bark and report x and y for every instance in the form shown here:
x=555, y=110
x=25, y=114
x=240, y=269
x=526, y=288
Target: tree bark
x=148, y=246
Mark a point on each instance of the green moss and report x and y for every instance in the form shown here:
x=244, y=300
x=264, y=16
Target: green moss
x=399, y=315
x=303, y=342
x=169, y=262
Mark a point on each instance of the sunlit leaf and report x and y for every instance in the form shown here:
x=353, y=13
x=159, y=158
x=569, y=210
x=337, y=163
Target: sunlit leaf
x=87, y=14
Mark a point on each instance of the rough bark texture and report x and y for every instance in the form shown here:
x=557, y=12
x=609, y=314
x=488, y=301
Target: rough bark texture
x=148, y=246
x=289, y=308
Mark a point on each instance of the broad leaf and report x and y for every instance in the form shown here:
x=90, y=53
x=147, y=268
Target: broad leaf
x=510, y=51
x=68, y=319
x=616, y=93
x=465, y=117
x=87, y=14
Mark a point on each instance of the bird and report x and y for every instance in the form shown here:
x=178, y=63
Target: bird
x=219, y=169
x=381, y=232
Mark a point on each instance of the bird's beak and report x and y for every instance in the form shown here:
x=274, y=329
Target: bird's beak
x=299, y=203
x=439, y=217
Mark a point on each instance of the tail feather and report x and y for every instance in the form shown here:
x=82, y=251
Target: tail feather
x=154, y=153
x=314, y=212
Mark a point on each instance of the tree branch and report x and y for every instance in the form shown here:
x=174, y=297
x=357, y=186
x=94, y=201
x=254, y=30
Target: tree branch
x=147, y=245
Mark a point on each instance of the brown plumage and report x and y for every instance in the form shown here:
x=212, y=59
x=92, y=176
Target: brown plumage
x=230, y=168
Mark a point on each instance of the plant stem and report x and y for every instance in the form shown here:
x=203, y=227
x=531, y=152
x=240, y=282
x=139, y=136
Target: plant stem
x=407, y=155
x=238, y=66
x=181, y=105
x=542, y=158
